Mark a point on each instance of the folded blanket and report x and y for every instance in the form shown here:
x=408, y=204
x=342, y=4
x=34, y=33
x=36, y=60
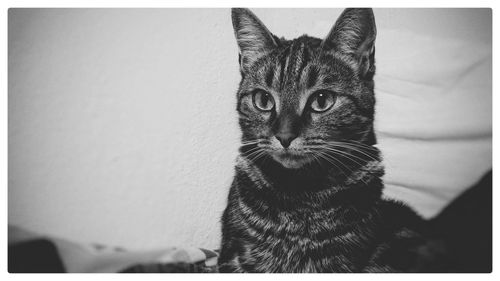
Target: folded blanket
x=33, y=253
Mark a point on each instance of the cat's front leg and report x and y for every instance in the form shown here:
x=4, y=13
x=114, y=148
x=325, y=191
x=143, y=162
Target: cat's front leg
x=408, y=251
x=231, y=266
x=228, y=258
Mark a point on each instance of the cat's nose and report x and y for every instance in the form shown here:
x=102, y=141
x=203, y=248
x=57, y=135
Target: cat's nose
x=286, y=139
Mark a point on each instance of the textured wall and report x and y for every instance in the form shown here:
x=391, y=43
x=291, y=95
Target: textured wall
x=122, y=125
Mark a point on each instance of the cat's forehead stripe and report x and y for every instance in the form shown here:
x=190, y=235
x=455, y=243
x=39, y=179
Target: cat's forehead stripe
x=282, y=64
x=312, y=77
x=270, y=76
x=292, y=63
x=305, y=61
x=296, y=54
x=298, y=60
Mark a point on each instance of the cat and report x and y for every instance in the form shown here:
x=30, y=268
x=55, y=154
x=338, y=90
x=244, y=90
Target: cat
x=306, y=195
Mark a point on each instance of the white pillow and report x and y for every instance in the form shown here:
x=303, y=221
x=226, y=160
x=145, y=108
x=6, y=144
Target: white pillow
x=433, y=116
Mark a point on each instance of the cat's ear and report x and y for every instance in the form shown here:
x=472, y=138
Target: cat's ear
x=254, y=39
x=354, y=34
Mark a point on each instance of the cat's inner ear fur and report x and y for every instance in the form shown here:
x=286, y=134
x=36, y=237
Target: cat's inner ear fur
x=354, y=34
x=253, y=38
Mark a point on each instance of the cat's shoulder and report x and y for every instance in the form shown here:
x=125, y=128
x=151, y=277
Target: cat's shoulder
x=399, y=213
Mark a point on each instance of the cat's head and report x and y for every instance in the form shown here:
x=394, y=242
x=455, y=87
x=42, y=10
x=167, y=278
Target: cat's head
x=300, y=97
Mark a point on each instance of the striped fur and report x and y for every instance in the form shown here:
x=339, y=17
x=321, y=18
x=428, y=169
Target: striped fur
x=316, y=205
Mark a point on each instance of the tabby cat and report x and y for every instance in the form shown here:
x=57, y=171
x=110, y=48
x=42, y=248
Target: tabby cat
x=306, y=196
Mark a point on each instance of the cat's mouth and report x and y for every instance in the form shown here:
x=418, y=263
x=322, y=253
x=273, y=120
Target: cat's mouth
x=291, y=159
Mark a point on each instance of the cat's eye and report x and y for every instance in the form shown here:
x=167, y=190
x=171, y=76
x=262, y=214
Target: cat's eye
x=263, y=101
x=322, y=100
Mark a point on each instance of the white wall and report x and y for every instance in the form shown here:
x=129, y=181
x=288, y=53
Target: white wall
x=122, y=124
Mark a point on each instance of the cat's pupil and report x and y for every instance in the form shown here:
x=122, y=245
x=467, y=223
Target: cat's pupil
x=264, y=100
x=321, y=100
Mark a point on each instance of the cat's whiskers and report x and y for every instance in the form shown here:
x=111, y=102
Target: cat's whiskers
x=349, y=143
x=325, y=153
x=257, y=155
x=365, y=146
x=358, y=142
x=252, y=150
x=350, y=170
x=338, y=149
x=250, y=142
x=366, y=150
x=314, y=157
x=328, y=158
x=356, y=149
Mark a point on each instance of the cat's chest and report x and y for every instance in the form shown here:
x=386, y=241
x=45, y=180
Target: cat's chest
x=307, y=241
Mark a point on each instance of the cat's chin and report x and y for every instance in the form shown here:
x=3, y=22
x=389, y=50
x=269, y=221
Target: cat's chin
x=291, y=161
